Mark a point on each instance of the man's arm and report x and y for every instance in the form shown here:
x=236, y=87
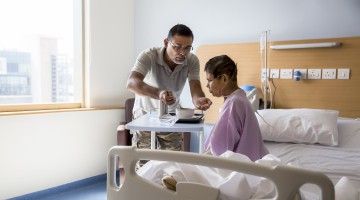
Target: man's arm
x=195, y=89
x=137, y=85
x=198, y=96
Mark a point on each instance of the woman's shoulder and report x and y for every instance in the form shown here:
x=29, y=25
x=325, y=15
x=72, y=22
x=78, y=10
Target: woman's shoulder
x=239, y=101
x=238, y=97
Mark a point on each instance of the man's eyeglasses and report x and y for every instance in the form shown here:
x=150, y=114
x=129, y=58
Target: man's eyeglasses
x=178, y=48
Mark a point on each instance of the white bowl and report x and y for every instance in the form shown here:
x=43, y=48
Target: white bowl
x=184, y=113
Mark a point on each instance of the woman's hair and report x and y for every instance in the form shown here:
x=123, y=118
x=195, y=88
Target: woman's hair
x=220, y=65
x=180, y=29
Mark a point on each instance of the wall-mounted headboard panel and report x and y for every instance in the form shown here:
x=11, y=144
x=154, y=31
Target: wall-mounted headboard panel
x=342, y=95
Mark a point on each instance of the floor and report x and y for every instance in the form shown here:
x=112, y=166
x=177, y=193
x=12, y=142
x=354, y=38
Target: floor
x=93, y=188
x=91, y=192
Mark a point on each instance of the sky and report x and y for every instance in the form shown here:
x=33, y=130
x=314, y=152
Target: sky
x=23, y=19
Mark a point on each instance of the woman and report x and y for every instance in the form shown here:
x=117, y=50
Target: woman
x=237, y=129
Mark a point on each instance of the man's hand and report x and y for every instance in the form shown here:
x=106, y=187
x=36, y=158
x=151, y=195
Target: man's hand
x=203, y=103
x=198, y=96
x=167, y=97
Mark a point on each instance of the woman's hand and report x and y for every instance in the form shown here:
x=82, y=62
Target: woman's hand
x=203, y=103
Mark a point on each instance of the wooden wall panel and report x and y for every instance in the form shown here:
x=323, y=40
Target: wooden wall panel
x=342, y=95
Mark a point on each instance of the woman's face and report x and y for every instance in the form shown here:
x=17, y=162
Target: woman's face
x=215, y=85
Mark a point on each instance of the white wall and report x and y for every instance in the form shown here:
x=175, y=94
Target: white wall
x=227, y=21
x=112, y=51
x=41, y=151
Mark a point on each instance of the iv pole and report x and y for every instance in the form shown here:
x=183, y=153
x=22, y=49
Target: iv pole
x=264, y=65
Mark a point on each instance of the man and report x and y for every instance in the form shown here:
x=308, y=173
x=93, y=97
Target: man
x=160, y=74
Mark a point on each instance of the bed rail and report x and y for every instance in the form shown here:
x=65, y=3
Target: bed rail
x=287, y=179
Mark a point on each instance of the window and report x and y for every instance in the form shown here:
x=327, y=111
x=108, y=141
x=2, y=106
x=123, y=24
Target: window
x=41, y=44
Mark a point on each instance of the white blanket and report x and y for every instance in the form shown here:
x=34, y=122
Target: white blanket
x=232, y=185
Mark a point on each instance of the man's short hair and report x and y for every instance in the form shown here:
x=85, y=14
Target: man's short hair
x=180, y=29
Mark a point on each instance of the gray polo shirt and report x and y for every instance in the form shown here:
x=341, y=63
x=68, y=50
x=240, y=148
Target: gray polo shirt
x=151, y=64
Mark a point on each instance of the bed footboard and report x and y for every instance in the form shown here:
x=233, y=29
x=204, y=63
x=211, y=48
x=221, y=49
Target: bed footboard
x=287, y=179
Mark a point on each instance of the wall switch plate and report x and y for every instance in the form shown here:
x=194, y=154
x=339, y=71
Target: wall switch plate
x=286, y=73
x=274, y=73
x=328, y=74
x=343, y=73
x=303, y=73
x=314, y=74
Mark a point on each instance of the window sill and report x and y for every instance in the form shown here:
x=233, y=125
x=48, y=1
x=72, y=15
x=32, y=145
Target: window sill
x=30, y=112
x=43, y=111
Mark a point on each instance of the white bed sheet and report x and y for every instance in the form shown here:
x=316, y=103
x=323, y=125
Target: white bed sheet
x=231, y=185
x=334, y=162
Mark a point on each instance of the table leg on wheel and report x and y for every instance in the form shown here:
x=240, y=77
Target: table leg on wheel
x=153, y=135
x=201, y=141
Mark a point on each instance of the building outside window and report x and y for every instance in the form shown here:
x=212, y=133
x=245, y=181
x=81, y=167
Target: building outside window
x=41, y=52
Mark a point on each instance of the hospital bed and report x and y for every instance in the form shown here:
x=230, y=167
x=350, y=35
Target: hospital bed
x=287, y=179
x=328, y=164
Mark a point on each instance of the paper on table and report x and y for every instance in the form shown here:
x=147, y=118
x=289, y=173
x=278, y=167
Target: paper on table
x=165, y=120
x=168, y=120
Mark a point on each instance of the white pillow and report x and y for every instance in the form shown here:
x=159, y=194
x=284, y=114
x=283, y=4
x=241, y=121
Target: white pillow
x=299, y=125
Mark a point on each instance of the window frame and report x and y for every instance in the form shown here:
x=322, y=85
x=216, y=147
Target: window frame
x=83, y=61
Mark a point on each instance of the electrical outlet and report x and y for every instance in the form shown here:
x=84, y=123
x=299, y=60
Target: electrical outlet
x=274, y=73
x=314, y=74
x=343, y=73
x=303, y=73
x=328, y=74
x=286, y=73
